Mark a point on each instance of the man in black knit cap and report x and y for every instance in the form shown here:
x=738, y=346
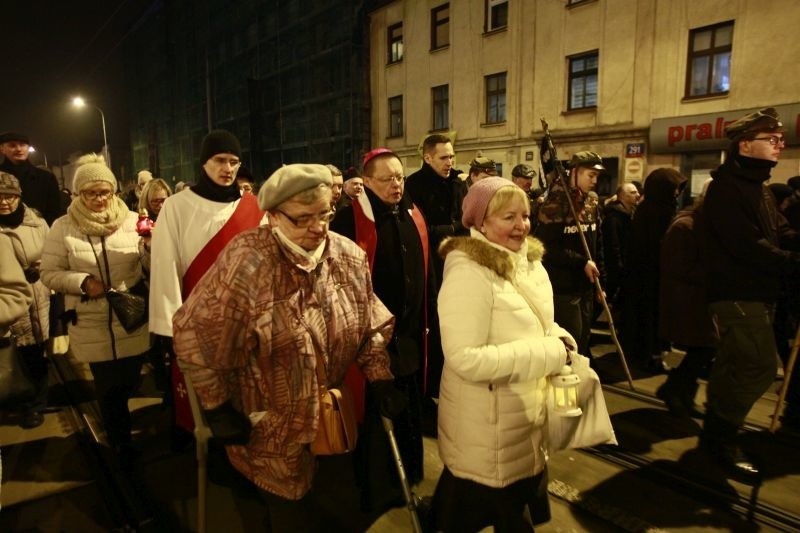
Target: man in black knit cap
x=193, y=228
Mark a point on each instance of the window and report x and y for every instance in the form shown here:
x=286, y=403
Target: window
x=583, y=81
x=396, y=116
x=441, y=103
x=496, y=98
x=440, y=26
x=395, y=36
x=709, y=64
x=496, y=14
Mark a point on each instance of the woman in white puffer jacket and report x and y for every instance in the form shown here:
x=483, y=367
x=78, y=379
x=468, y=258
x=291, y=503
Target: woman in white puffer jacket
x=500, y=343
x=92, y=248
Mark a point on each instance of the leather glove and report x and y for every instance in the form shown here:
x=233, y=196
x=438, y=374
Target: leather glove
x=228, y=425
x=391, y=402
x=32, y=273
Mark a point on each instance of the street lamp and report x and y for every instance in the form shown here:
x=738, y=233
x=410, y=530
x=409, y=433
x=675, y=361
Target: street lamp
x=79, y=102
x=32, y=150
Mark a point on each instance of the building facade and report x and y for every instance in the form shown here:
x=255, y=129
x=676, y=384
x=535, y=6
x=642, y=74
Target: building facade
x=289, y=79
x=645, y=83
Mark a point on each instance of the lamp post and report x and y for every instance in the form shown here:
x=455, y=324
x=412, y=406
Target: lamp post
x=79, y=102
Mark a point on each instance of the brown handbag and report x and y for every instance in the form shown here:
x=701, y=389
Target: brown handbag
x=337, y=431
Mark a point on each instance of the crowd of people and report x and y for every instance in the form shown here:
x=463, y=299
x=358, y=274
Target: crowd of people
x=440, y=300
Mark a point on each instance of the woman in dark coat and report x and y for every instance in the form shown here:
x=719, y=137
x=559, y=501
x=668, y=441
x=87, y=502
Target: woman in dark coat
x=641, y=286
x=684, y=318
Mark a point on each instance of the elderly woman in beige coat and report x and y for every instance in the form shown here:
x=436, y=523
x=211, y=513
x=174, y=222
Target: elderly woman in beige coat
x=93, y=248
x=27, y=230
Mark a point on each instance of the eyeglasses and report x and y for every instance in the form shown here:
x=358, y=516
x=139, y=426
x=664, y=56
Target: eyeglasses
x=384, y=181
x=247, y=188
x=97, y=195
x=774, y=140
x=225, y=161
x=8, y=198
x=306, y=221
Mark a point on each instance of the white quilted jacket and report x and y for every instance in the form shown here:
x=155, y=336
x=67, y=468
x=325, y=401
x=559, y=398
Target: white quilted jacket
x=498, y=352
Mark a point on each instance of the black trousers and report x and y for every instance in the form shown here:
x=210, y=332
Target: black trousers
x=464, y=506
x=114, y=384
x=574, y=313
x=35, y=361
x=330, y=506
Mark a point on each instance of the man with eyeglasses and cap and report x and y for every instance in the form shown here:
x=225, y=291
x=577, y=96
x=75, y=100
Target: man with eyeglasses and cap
x=571, y=272
x=391, y=229
x=749, y=251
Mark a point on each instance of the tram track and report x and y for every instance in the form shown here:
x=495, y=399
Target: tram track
x=750, y=507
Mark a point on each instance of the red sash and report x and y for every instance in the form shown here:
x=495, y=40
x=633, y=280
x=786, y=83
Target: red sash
x=367, y=240
x=246, y=215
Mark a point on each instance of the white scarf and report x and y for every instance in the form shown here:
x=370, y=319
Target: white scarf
x=308, y=260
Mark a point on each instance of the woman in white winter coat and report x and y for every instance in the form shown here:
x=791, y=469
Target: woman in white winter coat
x=92, y=248
x=500, y=344
x=26, y=231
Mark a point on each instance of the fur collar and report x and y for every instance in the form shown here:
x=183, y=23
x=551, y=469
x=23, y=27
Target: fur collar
x=489, y=256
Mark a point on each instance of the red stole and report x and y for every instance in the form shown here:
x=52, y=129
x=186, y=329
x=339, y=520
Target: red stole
x=246, y=215
x=367, y=240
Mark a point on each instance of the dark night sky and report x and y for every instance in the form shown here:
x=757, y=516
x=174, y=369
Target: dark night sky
x=54, y=50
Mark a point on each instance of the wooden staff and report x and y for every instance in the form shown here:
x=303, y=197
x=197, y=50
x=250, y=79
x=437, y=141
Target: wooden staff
x=561, y=174
x=787, y=377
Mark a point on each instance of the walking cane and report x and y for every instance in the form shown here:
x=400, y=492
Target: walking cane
x=561, y=174
x=411, y=499
x=787, y=377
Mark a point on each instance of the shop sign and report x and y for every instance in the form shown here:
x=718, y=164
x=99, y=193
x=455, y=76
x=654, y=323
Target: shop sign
x=707, y=132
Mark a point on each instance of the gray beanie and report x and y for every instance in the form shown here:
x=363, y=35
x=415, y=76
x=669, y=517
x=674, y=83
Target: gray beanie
x=9, y=184
x=92, y=168
x=219, y=142
x=290, y=180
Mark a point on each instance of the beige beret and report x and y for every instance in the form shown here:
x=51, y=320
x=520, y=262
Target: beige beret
x=290, y=180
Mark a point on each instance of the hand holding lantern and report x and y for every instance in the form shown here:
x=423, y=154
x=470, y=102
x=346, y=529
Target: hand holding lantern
x=564, y=387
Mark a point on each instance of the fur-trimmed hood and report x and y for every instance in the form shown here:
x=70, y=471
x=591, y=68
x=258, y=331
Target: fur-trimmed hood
x=491, y=256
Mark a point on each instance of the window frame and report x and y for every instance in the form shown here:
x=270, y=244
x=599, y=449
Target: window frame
x=443, y=104
x=391, y=40
x=489, y=25
x=711, y=52
x=395, y=117
x=495, y=94
x=436, y=23
x=584, y=74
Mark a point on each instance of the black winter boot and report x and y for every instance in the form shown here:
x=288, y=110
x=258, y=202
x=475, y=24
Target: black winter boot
x=719, y=440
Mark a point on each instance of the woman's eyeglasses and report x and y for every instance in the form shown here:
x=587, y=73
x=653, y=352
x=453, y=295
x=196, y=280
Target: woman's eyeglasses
x=97, y=195
x=306, y=221
x=8, y=198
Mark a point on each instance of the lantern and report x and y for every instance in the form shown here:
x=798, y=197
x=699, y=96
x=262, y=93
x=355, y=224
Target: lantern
x=565, y=392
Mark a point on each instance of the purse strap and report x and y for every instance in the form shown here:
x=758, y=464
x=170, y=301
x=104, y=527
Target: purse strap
x=97, y=260
x=322, y=377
